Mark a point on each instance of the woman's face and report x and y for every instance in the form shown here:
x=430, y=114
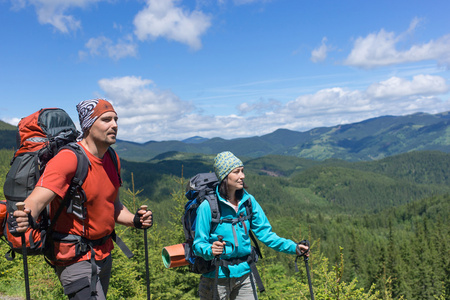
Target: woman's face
x=235, y=179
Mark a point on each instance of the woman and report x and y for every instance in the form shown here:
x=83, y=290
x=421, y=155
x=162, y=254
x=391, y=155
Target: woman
x=235, y=281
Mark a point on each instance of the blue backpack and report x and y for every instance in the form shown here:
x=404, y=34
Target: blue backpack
x=200, y=187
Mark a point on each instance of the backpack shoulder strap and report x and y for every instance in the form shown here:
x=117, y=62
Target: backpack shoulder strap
x=249, y=208
x=77, y=180
x=113, y=155
x=215, y=210
x=82, y=163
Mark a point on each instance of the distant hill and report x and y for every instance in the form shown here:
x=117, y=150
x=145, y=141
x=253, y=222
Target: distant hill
x=371, y=139
x=195, y=140
x=368, y=140
x=7, y=136
x=6, y=126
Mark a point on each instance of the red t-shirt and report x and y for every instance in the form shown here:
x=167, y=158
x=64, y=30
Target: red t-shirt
x=101, y=187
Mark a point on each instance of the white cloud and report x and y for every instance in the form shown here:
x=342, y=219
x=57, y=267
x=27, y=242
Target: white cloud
x=147, y=113
x=380, y=49
x=320, y=53
x=54, y=12
x=161, y=18
x=259, y=106
x=12, y=121
x=423, y=85
x=144, y=111
x=101, y=46
x=332, y=100
x=334, y=106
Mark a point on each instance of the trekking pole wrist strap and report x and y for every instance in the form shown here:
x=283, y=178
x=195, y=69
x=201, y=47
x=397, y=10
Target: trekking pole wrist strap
x=137, y=220
x=305, y=243
x=12, y=224
x=306, y=258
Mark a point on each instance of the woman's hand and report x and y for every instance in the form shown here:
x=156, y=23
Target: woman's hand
x=302, y=250
x=217, y=247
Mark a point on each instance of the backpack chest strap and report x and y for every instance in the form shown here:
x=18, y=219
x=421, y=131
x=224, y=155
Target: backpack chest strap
x=234, y=221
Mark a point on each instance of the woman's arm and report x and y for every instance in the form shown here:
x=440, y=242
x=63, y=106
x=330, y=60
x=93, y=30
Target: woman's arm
x=202, y=246
x=260, y=225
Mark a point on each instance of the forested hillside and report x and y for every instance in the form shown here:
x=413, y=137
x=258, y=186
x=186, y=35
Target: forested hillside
x=379, y=230
x=7, y=136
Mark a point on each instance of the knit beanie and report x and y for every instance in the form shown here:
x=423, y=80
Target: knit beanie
x=224, y=163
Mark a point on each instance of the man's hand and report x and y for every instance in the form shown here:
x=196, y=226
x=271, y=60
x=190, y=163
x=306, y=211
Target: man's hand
x=143, y=219
x=146, y=218
x=21, y=220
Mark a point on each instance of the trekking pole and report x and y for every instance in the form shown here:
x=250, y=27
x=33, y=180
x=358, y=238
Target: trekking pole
x=21, y=206
x=144, y=207
x=216, y=280
x=306, y=259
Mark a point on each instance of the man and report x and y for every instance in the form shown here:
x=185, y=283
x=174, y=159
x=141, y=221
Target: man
x=85, y=273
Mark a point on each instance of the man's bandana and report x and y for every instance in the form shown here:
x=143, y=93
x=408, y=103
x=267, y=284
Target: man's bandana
x=90, y=110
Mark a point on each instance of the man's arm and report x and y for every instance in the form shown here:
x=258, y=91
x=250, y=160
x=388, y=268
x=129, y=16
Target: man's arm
x=124, y=217
x=34, y=204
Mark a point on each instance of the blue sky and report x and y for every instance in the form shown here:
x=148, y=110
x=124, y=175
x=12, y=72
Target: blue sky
x=225, y=68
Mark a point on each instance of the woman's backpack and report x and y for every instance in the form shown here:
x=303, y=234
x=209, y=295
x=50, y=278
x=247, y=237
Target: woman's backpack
x=200, y=187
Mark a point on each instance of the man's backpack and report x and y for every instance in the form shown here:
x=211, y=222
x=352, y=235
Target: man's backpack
x=40, y=137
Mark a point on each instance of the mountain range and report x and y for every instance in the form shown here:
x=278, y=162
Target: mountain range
x=371, y=139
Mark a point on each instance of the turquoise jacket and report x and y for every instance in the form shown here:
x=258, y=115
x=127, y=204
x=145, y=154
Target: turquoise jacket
x=239, y=245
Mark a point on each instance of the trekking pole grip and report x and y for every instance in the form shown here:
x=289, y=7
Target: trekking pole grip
x=20, y=206
x=143, y=207
x=306, y=243
x=220, y=239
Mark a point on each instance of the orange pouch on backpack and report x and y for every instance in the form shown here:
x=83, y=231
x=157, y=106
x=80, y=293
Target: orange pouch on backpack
x=2, y=216
x=34, y=240
x=66, y=252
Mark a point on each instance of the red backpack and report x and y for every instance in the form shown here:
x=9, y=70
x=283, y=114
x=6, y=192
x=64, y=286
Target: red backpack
x=39, y=138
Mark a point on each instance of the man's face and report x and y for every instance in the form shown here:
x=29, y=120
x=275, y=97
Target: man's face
x=104, y=128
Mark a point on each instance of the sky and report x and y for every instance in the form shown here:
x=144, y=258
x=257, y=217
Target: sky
x=176, y=69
